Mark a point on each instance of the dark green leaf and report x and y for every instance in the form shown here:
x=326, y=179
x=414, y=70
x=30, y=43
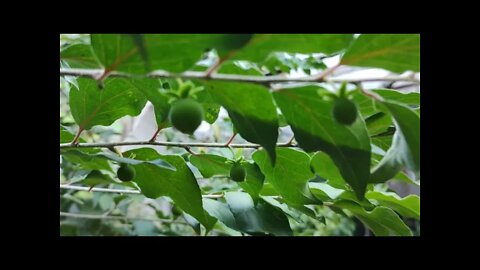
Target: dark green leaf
x=405, y=149
x=395, y=52
x=378, y=123
x=91, y=106
x=86, y=160
x=221, y=212
x=180, y=185
x=251, y=109
x=259, y=218
x=382, y=221
x=171, y=52
x=289, y=176
x=310, y=117
x=261, y=45
x=407, y=207
x=254, y=180
x=210, y=165
x=95, y=178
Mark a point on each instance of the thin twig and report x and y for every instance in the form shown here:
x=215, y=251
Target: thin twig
x=93, y=73
x=125, y=191
x=88, y=216
x=172, y=144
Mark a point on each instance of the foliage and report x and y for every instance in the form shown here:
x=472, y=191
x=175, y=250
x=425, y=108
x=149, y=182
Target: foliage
x=332, y=179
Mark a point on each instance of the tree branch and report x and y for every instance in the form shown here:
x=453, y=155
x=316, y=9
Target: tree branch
x=125, y=191
x=94, y=73
x=88, y=216
x=172, y=144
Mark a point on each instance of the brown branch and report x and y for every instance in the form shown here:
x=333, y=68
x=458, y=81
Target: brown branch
x=264, y=80
x=171, y=144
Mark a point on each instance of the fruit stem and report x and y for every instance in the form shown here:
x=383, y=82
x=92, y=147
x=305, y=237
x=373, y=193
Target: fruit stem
x=290, y=141
x=188, y=149
x=77, y=137
x=231, y=139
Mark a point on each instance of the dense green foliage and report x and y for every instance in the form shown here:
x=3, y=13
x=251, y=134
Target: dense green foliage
x=327, y=153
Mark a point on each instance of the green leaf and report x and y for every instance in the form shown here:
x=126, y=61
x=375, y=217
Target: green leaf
x=211, y=165
x=381, y=220
x=251, y=109
x=221, y=212
x=368, y=107
x=325, y=192
x=180, y=185
x=324, y=167
x=91, y=106
x=95, y=178
x=254, y=180
x=210, y=107
x=79, y=56
x=407, y=207
x=395, y=52
x=289, y=176
x=240, y=67
x=378, y=123
x=311, y=119
x=384, y=142
x=405, y=148
x=259, y=218
x=171, y=52
x=261, y=45
x=151, y=90
x=98, y=160
x=85, y=160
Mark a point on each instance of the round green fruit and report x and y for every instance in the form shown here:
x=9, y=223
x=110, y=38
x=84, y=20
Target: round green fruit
x=237, y=173
x=186, y=115
x=126, y=172
x=344, y=111
x=176, y=211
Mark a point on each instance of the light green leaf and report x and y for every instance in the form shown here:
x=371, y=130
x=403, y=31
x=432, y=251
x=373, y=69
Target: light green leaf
x=79, y=56
x=381, y=220
x=324, y=167
x=180, y=185
x=91, y=106
x=210, y=165
x=395, y=52
x=407, y=207
x=290, y=175
x=261, y=45
x=311, y=119
x=251, y=109
x=368, y=107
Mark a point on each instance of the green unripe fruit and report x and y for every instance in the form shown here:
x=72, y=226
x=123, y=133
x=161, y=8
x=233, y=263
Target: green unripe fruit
x=344, y=111
x=186, y=115
x=126, y=172
x=176, y=211
x=237, y=173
